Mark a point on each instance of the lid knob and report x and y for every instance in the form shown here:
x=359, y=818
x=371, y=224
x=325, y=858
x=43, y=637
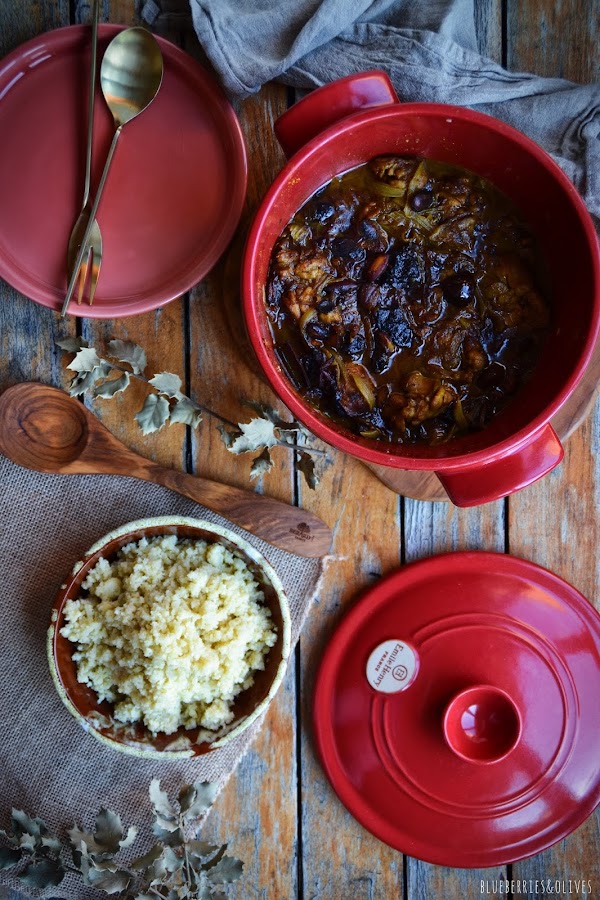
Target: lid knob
x=482, y=724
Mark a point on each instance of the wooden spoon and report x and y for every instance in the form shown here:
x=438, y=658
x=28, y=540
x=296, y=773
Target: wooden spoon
x=44, y=429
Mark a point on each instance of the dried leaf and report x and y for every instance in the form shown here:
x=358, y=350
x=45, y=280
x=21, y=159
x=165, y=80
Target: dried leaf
x=9, y=856
x=227, y=435
x=29, y=842
x=186, y=797
x=186, y=412
x=301, y=430
x=142, y=862
x=288, y=436
x=174, y=838
x=106, y=864
x=43, y=874
x=109, y=882
x=109, y=388
x=130, y=353
x=72, y=344
x=204, y=889
x=132, y=833
x=83, y=843
x=227, y=870
x=24, y=824
x=205, y=794
x=108, y=831
x=160, y=801
x=255, y=435
x=201, y=849
x=306, y=465
x=51, y=843
x=261, y=464
x=267, y=412
x=167, y=383
x=28, y=832
x=173, y=862
x=156, y=871
x=86, y=380
x=153, y=414
x=86, y=360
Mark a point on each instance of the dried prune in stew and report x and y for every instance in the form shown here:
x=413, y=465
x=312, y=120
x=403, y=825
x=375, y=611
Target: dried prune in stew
x=404, y=267
x=459, y=288
x=405, y=301
x=323, y=210
x=421, y=200
x=392, y=322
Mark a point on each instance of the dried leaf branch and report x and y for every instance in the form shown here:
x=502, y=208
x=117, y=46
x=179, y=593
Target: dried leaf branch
x=106, y=376
x=177, y=866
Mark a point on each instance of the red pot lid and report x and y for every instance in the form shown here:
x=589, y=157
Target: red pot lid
x=456, y=709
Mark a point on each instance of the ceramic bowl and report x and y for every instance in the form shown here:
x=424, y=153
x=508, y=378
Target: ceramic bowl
x=97, y=718
x=345, y=124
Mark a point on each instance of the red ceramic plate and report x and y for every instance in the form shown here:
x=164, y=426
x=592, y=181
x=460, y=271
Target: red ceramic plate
x=175, y=189
x=420, y=638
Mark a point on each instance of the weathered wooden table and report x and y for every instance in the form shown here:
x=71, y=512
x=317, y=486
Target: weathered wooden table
x=278, y=812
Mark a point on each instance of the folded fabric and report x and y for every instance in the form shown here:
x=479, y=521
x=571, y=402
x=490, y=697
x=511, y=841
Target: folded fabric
x=429, y=50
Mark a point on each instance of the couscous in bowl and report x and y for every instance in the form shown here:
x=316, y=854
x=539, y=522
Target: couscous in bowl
x=93, y=579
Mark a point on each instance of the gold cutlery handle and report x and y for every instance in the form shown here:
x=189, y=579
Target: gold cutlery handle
x=84, y=241
x=91, y=98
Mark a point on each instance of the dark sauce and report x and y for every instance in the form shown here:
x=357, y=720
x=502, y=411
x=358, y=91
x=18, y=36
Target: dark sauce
x=404, y=300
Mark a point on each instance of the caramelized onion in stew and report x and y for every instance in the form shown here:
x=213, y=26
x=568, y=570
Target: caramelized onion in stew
x=404, y=300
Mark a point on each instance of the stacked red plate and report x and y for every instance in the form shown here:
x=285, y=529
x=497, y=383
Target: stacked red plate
x=176, y=186
x=456, y=709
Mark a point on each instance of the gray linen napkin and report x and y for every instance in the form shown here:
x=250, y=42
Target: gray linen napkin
x=429, y=50
x=49, y=766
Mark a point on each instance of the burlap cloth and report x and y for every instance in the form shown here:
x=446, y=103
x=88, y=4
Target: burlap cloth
x=49, y=766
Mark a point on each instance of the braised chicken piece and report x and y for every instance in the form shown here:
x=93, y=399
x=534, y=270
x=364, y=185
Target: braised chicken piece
x=404, y=300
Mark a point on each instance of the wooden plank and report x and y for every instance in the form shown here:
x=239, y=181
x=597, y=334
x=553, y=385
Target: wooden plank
x=119, y=12
x=28, y=331
x=27, y=340
x=22, y=21
x=554, y=39
x=162, y=335
x=555, y=522
x=340, y=859
x=257, y=811
x=488, y=27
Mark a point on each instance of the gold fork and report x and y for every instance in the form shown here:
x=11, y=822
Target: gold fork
x=92, y=260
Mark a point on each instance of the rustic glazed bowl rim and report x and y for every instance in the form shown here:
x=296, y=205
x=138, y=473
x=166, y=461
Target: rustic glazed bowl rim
x=220, y=533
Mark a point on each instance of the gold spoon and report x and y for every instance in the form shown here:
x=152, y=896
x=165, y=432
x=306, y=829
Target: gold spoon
x=44, y=429
x=130, y=76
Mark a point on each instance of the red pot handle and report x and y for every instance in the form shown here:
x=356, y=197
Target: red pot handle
x=505, y=476
x=329, y=104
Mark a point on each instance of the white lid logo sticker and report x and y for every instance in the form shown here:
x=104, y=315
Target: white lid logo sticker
x=392, y=666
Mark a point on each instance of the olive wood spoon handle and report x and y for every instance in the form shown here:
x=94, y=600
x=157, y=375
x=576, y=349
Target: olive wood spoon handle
x=44, y=429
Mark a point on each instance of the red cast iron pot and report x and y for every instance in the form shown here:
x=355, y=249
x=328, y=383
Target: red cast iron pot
x=345, y=124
